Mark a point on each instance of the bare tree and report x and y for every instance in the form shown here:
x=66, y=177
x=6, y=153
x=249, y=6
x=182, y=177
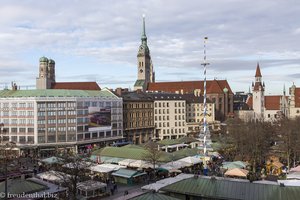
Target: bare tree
x=250, y=140
x=152, y=154
x=288, y=133
x=72, y=170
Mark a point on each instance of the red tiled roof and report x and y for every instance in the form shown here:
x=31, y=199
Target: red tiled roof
x=297, y=97
x=257, y=73
x=213, y=86
x=249, y=102
x=272, y=102
x=76, y=86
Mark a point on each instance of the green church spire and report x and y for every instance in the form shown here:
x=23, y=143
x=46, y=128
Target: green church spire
x=144, y=37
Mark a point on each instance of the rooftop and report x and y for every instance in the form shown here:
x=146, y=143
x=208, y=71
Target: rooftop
x=213, y=86
x=76, y=86
x=55, y=93
x=221, y=188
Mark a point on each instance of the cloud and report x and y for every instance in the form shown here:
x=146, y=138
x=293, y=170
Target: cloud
x=106, y=35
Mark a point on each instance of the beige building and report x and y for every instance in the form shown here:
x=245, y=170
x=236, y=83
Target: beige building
x=169, y=115
x=194, y=113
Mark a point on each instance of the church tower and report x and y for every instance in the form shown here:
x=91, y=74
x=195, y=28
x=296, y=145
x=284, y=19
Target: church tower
x=258, y=89
x=145, y=72
x=46, y=73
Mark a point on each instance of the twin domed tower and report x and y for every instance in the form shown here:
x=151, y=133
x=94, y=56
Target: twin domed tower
x=46, y=73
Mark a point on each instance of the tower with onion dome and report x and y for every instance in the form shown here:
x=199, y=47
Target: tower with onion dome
x=46, y=73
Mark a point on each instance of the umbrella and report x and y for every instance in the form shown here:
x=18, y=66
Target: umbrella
x=277, y=164
x=295, y=169
x=52, y=160
x=237, y=172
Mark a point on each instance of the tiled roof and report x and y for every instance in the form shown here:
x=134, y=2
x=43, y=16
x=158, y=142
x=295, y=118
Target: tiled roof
x=136, y=96
x=151, y=195
x=272, y=102
x=55, y=93
x=138, y=153
x=220, y=188
x=249, y=101
x=17, y=186
x=76, y=85
x=297, y=97
x=257, y=73
x=213, y=86
x=191, y=98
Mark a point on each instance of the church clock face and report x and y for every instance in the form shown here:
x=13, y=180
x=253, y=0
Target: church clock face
x=141, y=70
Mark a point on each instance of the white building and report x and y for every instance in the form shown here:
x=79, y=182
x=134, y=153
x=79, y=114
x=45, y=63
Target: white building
x=169, y=115
x=268, y=108
x=52, y=118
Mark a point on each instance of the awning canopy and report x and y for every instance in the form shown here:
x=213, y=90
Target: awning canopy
x=127, y=173
x=191, y=160
x=106, y=168
x=53, y=176
x=90, y=185
x=126, y=162
x=52, y=160
x=175, y=165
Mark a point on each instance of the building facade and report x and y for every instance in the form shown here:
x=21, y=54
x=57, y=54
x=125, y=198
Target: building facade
x=138, y=117
x=218, y=92
x=145, y=73
x=194, y=113
x=60, y=118
x=261, y=107
x=169, y=115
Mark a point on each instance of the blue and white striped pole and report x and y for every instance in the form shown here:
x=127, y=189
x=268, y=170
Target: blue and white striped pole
x=204, y=99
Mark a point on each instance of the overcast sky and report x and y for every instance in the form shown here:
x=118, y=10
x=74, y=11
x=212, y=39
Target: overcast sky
x=94, y=40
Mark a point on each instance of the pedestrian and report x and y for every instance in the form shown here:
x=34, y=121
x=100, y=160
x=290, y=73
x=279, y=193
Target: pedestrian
x=115, y=187
x=112, y=191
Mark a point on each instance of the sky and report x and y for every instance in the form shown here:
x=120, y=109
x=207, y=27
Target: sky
x=94, y=40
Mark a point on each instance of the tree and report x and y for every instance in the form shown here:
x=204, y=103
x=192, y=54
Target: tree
x=288, y=132
x=152, y=154
x=250, y=141
x=72, y=170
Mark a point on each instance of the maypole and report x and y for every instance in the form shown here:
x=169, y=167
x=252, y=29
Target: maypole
x=204, y=100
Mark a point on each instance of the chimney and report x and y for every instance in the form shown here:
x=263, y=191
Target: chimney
x=118, y=91
x=181, y=91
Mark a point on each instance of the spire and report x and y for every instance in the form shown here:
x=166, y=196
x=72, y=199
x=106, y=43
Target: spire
x=257, y=73
x=144, y=37
x=283, y=89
